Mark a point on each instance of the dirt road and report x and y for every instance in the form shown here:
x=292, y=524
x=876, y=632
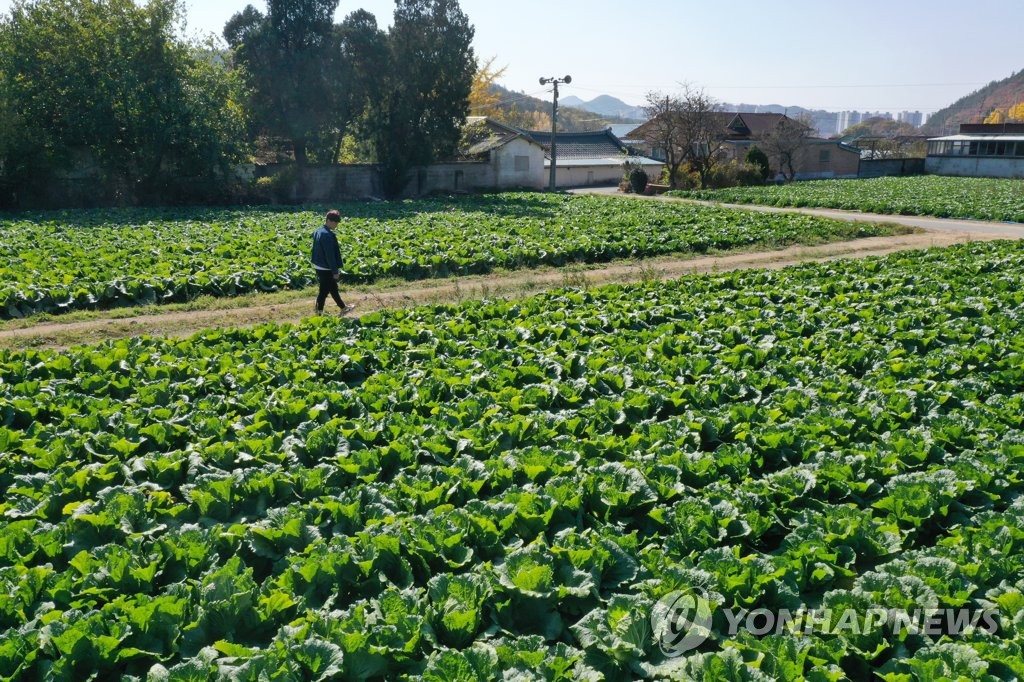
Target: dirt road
x=936, y=232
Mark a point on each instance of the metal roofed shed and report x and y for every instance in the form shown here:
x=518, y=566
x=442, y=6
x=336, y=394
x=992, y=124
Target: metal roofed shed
x=979, y=150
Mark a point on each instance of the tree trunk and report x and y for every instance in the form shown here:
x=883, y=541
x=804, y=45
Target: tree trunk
x=299, y=147
x=673, y=172
x=301, y=160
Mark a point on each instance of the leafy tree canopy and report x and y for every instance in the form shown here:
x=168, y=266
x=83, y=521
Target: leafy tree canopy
x=108, y=82
x=417, y=116
x=291, y=58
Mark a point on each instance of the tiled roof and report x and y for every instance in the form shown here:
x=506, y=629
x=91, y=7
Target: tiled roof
x=739, y=125
x=615, y=161
x=492, y=135
x=595, y=145
x=490, y=143
x=754, y=125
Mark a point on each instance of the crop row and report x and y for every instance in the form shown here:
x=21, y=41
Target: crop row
x=504, y=490
x=944, y=197
x=73, y=260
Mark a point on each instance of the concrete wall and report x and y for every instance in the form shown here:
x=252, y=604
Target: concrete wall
x=585, y=176
x=501, y=172
x=841, y=163
x=327, y=183
x=881, y=168
x=975, y=167
x=341, y=182
x=529, y=174
x=450, y=177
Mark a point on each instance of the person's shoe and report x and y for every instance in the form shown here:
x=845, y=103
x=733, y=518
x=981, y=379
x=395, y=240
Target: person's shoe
x=346, y=309
x=317, y=312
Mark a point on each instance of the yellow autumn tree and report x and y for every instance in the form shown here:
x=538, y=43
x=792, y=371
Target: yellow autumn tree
x=997, y=116
x=1014, y=113
x=483, y=100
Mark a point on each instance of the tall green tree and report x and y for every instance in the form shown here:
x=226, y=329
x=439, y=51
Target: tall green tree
x=107, y=83
x=416, y=118
x=364, y=50
x=292, y=61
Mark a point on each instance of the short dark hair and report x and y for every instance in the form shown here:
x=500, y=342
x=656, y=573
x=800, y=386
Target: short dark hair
x=334, y=216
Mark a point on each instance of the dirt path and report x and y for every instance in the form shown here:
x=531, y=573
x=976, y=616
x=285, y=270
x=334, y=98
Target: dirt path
x=978, y=227
x=178, y=324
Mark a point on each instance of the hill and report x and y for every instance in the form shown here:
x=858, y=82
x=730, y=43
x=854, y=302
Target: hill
x=532, y=113
x=606, y=105
x=974, y=107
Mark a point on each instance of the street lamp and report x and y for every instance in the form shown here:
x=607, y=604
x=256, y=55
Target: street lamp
x=554, y=121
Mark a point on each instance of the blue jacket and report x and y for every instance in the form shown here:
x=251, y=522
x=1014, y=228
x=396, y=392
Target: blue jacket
x=326, y=253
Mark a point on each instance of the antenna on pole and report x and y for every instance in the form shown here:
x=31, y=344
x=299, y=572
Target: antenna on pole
x=554, y=122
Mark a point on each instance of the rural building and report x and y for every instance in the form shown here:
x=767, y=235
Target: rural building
x=593, y=158
x=513, y=158
x=987, y=150
x=520, y=158
x=817, y=159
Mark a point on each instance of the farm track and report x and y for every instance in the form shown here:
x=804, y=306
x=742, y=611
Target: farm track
x=935, y=232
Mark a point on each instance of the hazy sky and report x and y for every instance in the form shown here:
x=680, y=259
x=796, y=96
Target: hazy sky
x=867, y=55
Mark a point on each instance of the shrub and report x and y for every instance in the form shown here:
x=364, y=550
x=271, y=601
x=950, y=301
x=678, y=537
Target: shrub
x=638, y=180
x=732, y=174
x=686, y=178
x=749, y=175
x=757, y=158
x=278, y=188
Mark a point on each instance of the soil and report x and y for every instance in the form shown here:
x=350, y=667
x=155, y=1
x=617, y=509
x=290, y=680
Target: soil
x=934, y=233
x=63, y=334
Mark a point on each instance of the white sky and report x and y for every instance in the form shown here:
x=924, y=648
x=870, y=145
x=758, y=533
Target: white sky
x=866, y=55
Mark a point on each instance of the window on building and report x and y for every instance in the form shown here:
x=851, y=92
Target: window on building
x=522, y=164
x=825, y=157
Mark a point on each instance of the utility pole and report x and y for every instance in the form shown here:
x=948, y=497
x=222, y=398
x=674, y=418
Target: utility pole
x=554, y=122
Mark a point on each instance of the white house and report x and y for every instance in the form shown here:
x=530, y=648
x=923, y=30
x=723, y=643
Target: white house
x=522, y=159
x=515, y=160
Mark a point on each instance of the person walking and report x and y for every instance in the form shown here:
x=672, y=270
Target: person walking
x=327, y=262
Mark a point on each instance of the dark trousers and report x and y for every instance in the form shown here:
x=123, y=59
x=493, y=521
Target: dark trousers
x=328, y=287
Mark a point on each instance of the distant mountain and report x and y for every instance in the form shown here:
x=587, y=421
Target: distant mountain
x=976, y=106
x=606, y=105
x=523, y=111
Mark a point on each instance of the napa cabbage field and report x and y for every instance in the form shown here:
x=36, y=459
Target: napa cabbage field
x=63, y=261
x=509, y=490
x=931, y=195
